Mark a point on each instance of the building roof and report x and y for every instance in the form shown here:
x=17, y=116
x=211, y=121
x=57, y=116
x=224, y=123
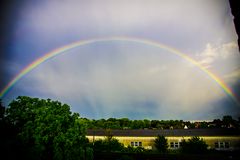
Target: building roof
x=167, y=132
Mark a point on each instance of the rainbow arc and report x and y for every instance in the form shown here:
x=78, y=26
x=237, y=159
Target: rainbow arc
x=68, y=47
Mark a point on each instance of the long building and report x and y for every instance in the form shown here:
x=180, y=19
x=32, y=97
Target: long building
x=219, y=139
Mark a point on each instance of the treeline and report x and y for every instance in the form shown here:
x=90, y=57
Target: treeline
x=125, y=123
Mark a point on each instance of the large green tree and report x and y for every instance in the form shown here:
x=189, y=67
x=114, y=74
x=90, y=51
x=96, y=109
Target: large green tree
x=48, y=129
x=161, y=144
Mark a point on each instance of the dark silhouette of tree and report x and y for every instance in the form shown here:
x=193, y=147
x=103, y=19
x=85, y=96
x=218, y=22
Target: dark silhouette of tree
x=2, y=110
x=10, y=145
x=194, y=145
x=161, y=144
x=227, y=121
x=217, y=123
x=131, y=149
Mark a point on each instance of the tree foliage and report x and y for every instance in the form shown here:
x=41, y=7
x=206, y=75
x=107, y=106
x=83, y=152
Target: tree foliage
x=137, y=150
x=11, y=147
x=109, y=144
x=48, y=129
x=161, y=144
x=194, y=145
x=125, y=123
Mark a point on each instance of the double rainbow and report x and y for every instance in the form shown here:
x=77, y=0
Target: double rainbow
x=68, y=47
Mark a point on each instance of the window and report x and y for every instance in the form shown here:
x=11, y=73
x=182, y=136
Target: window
x=132, y=144
x=221, y=145
x=140, y=144
x=175, y=144
x=226, y=144
x=136, y=144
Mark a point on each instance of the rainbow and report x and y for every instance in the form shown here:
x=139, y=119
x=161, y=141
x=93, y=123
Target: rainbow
x=68, y=47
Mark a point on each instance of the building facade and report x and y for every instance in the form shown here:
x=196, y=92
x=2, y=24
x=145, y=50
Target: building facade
x=219, y=139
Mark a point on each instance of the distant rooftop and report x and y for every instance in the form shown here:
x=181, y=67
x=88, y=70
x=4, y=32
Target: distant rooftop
x=167, y=132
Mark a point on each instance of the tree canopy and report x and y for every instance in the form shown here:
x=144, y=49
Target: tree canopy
x=194, y=145
x=48, y=129
x=109, y=144
x=125, y=123
x=161, y=144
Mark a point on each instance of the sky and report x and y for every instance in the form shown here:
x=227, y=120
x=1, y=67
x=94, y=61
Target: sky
x=118, y=74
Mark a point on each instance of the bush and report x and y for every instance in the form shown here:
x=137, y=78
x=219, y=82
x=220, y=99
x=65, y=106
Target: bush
x=131, y=149
x=108, y=145
x=161, y=144
x=194, y=145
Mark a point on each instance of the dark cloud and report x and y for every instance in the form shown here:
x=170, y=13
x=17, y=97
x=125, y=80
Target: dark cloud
x=9, y=14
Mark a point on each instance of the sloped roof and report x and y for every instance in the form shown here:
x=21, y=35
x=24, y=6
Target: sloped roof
x=167, y=132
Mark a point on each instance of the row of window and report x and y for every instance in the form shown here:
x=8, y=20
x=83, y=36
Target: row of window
x=179, y=144
x=221, y=144
x=216, y=144
x=172, y=144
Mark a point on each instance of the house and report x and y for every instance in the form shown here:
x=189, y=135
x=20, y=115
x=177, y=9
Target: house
x=219, y=139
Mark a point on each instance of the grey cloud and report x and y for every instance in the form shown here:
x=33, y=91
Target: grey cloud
x=174, y=22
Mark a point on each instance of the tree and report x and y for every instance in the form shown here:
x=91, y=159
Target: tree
x=217, y=123
x=227, y=120
x=109, y=144
x=204, y=124
x=48, y=129
x=137, y=124
x=194, y=145
x=154, y=123
x=2, y=110
x=161, y=144
x=112, y=125
x=147, y=123
x=125, y=123
x=10, y=145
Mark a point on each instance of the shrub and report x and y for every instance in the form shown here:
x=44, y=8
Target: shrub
x=161, y=144
x=194, y=145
